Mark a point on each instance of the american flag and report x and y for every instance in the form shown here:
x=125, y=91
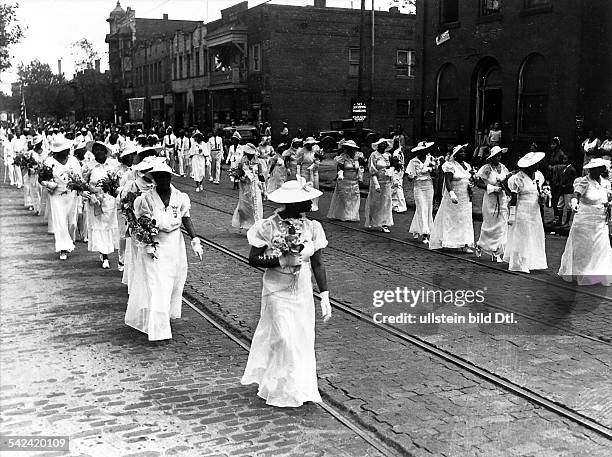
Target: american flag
x=22, y=111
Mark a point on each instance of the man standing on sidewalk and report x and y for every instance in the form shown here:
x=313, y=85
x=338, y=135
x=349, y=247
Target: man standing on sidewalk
x=215, y=145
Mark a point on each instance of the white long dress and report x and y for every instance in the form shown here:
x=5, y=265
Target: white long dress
x=378, y=206
x=587, y=258
x=199, y=156
x=157, y=284
x=526, y=249
x=422, y=221
x=282, y=357
x=346, y=198
x=494, y=229
x=63, y=204
x=398, y=198
x=250, y=205
x=102, y=227
x=309, y=169
x=452, y=226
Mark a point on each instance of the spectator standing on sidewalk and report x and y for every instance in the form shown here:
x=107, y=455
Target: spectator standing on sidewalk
x=63, y=202
x=420, y=169
x=525, y=249
x=378, y=209
x=284, y=134
x=587, y=258
x=282, y=358
x=566, y=190
x=495, y=135
x=346, y=198
x=215, y=145
x=159, y=276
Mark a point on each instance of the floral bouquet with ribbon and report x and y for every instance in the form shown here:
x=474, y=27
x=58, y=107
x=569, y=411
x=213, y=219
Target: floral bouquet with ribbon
x=289, y=239
x=76, y=183
x=236, y=173
x=25, y=161
x=126, y=206
x=144, y=231
x=109, y=184
x=45, y=173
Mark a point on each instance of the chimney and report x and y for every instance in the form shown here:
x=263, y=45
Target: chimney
x=59, y=67
x=165, y=17
x=394, y=9
x=319, y=3
x=97, y=63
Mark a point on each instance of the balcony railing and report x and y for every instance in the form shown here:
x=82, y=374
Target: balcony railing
x=231, y=76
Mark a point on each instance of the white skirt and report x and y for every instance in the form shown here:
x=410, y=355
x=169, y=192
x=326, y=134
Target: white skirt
x=423, y=213
x=453, y=227
x=63, y=215
x=102, y=229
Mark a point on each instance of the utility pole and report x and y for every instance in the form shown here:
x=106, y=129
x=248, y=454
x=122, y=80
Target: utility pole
x=372, y=61
x=362, y=49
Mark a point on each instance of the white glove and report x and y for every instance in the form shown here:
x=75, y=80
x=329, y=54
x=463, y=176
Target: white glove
x=512, y=215
x=308, y=250
x=491, y=189
x=326, y=310
x=340, y=175
x=290, y=260
x=377, y=187
x=574, y=204
x=453, y=196
x=196, y=245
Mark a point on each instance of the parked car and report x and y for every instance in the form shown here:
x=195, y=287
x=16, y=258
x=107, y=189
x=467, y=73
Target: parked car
x=133, y=126
x=248, y=133
x=347, y=129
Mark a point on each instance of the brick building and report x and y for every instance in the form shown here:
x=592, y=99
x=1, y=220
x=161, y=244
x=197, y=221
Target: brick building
x=281, y=63
x=539, y=67
x=128, y=37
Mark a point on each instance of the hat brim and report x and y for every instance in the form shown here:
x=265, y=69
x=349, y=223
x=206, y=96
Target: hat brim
x=294, y=196
x=350, y=146
x=526, y=162
x=497, y=152
x=170, y=172
x=422, y=147
x=596, y=163
x=90, y=145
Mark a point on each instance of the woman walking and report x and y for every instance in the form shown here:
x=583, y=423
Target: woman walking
x=494, y=229
x=308, y=159
x=62, y=201
x=420, y=169
x=378, y=213
x=452, y=226
x=277, y=171
x=290, y=157
x=250, y=205
x=282, y=357
x=525, y=249
x=398, y=199
x=346, y=199
x=160, y=269
x=587, y=258
x=199, y=157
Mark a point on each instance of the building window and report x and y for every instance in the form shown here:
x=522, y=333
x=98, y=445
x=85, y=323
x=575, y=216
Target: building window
x=255, y=58
x=536, y=3
x=404, y=63
x=488, y=7
x=353, y=57
x=447, y=100
x=197, y=62
x=449, y=11
x=533, y=96
x=173, y=68
x=404, y=108
x=188, y=59
x=180, y=66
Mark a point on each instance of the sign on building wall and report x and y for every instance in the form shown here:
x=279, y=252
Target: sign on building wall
x=443, y=37
x=136, y=106
x=360, y=111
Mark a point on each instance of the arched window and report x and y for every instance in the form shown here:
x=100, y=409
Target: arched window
x=533, y=96
x=447, y=101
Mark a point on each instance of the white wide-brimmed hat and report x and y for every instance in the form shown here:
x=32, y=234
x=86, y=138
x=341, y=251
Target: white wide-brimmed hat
x=237, y=135
x=458, y=148
x=250, y=148
x=388, y=142
x=531, y=158
x=129, y=149
x=310, y=140
x=37, y=139
x=294, y=191
x=422, y=145
x=147, y=163
x=90, y=145
x=297, y=140
x=350, y=144
x=497, y=150
x=160, y=166
x=596, y=163
x=61, y=143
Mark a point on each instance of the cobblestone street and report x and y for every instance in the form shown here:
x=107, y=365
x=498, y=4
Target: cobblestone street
x=71, y=367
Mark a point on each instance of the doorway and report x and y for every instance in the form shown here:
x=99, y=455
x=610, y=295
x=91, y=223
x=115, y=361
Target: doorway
x=489, y=95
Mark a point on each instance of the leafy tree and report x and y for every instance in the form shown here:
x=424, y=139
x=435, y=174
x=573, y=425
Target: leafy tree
x=84, y=54
x=10, y=33
x=42, y=89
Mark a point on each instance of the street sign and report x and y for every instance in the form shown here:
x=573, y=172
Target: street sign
x=360, y=111
x=136, y=106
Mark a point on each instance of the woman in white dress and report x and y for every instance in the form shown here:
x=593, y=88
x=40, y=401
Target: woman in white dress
x=282, y=356
x=398, y=199
x=290, y=157
x=63, y=202
x=420, y=169
x=277, y=173
x=102, y=225
x=494, y=229
x=199, y=156
x=346, y=199
x=125, y=174
x=525, y=249
x=378, y=212
x=157, y=286
x=452, y=226
x=590, y=146
x=40, y=155
x=250, y=204
x=587, y=258
x=308, y=160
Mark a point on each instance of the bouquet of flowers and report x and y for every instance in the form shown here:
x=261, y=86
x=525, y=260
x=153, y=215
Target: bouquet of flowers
x=109, y=184
x=127, y=209
x=144, y=231
x=75, y=182
x=45, y=173
x=546, y=196
x=25, y=161
x=236, y=173
x=289, y=238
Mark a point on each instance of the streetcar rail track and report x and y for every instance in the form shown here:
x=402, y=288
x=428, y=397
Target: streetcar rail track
x=442, y=252
x=449, y=357
x=368, y=437
x=432, y=284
